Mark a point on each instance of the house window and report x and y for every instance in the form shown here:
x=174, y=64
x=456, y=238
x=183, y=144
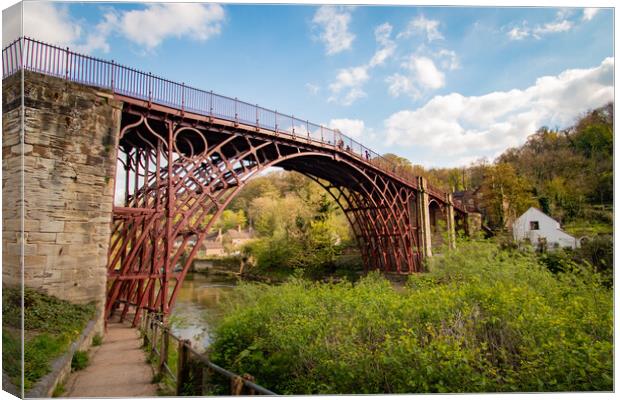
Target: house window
x=534, y=226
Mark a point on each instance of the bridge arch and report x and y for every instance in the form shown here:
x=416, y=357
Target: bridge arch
x=179, y=176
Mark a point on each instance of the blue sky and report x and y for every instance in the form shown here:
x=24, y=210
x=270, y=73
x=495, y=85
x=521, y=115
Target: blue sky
x=442, y=86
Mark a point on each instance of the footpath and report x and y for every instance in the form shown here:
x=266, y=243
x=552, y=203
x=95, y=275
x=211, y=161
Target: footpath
x=117, y=368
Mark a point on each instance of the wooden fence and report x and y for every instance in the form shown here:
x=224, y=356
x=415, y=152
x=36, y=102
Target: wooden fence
x=185, y=370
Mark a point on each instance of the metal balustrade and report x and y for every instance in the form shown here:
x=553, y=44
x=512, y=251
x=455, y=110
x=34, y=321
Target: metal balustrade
x=33, y=55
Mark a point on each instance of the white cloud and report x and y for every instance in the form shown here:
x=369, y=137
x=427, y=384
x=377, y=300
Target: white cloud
x=334, y=25
x=312, y=88
x=399, y=84
x=348, y=85
x=50, y=23
x=560, y=24
x=147, y=27
x=351, y=127
x=553, y=27
x=155, y=23
x=11, y=24
x=423, y=75
x=448, y=59
x=425, y=72
x=421, y=25
x=387, y=48
x=454, y=127
x=517, y=33
x=589, y=13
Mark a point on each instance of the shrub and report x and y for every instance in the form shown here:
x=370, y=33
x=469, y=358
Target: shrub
x=97, y=340
x=483, y=319
x=79, y=360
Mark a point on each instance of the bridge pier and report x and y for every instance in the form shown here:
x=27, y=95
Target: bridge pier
x=450, y=221
x=423, y=211
x=65, y=152
x=424, y=221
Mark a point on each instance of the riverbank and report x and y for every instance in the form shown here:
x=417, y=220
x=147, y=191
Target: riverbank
x=345, y=267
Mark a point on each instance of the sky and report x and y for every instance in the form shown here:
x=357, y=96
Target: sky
x=441, y=86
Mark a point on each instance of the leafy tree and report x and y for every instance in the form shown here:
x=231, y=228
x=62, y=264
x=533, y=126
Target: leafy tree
x=505, y=194
x=231, y=219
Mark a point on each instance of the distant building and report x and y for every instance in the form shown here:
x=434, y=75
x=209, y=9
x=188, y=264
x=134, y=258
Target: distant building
x=239, y=237
x=213, y=248
x=213, y=244
x=537, y=227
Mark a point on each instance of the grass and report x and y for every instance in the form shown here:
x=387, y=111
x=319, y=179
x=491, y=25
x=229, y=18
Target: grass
x=588, y=228
x=167, y=385
x=51, y=325
x=59, y=390
x=79, y=361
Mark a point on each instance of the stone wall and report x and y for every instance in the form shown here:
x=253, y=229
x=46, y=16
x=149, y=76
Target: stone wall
x=69, y=155
x=12, y=199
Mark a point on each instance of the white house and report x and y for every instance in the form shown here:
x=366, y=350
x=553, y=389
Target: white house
x=535, y=225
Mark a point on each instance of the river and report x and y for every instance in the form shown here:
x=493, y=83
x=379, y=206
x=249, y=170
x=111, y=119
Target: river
x=196, y=304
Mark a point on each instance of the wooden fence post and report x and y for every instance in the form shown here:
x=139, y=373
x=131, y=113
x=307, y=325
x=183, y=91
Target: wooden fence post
x=182, y=366
x=154, y=338
x=163, y=354
x=145, y=331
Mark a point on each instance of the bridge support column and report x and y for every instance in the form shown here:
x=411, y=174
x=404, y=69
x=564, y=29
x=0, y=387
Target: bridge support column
x=424, y=221
x=450, y=221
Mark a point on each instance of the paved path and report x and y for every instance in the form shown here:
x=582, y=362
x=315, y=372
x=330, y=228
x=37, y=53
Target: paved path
x=117, y=368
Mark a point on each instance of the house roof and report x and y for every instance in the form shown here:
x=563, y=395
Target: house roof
x=538, y=211
x=212, y=244
x=236, y=234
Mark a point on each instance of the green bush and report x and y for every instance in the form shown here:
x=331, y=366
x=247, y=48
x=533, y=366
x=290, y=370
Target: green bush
x=79, y=361
x=482, y=320
x=97, y=340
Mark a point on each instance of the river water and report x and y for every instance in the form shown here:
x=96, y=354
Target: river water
x=196, y=305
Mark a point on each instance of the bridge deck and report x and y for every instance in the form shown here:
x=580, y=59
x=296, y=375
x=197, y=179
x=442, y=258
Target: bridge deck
x=137, y=86
x=109, y=375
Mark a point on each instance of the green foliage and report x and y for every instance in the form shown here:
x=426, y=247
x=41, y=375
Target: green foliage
x=79, y=361
x=50, y=325
x=569, y=169
x=12, y=353
x=598, y=251
x=298, y=225
x=97, y=340
x=231, y=220
x=482, y=320
x=505, y=194
x=59, y=390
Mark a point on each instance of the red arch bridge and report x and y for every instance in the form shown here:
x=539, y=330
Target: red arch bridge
x=186, y=153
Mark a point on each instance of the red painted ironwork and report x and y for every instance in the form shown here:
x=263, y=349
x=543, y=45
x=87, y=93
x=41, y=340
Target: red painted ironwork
x=186, y=153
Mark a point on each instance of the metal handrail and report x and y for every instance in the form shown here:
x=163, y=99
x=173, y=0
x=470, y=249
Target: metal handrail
x=34, y=55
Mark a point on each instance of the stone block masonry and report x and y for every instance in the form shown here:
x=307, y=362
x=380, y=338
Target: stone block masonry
x=68, y=161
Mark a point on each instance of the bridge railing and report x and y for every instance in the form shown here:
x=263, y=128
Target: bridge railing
x=185, y=370
x=33, y=55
